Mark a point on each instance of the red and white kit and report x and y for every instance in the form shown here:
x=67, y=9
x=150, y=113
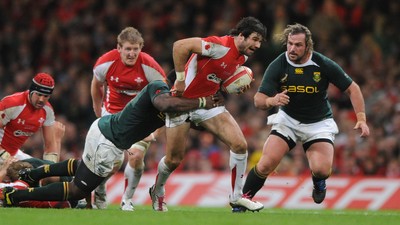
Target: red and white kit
x=222, y=54
x=125, y=82
x=21, y=120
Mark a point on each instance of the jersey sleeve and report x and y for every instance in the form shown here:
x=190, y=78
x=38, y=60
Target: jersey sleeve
x=213, y=47
x=156, y=88
x=337, y=76
x=50, y=117
x=8, y=112
x=103, y=63
x=152, y=70
x=100, y=71
x=270, y=82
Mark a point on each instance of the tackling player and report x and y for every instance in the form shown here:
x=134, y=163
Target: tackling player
x=107, y=139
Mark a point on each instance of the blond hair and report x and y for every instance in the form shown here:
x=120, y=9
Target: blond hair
x=131, y=35
x=15, y=167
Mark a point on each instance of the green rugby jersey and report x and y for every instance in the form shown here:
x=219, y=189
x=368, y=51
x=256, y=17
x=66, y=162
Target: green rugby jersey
x=138, y=118
x=307, y=85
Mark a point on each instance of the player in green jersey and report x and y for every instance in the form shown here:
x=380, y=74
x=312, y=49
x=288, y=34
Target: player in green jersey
x=297, y=82
x=107, y=139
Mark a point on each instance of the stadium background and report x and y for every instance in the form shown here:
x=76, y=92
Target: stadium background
x=65, y=38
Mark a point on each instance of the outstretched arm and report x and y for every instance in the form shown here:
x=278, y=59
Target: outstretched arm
x=167, y=103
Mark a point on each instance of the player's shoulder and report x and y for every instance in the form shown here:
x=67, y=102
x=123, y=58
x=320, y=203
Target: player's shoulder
x=145, y=56
x=279, y=61
x=319, y=57
x=218, y=39
x=49, y=107
x=109, y=56
x=155, y=84
x=322, y=60
x=146, y=59
x=157, y=87
x=15, y=99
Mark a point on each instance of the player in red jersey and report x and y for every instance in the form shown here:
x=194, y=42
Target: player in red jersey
x=118, y=76
x=23, y=114
x=213, y=59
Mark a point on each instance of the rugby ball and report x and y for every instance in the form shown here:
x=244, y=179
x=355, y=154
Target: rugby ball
x=242, y=77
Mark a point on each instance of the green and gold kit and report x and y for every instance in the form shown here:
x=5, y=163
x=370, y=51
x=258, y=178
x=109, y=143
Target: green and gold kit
x=307, y=85
x=138, y=118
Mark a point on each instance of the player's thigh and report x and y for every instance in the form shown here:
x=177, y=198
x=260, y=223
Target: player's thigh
x=274, y=149
x=225, y=127
x=101, y=156
x=320, y=157
x=85, y=179
x=176, y=141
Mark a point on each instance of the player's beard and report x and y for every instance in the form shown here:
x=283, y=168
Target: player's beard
x=296, y=58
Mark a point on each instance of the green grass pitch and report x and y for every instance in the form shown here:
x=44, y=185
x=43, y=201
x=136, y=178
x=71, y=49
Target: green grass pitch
x=144, y=215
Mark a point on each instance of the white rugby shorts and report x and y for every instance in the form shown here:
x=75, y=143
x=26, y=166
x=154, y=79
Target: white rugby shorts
x=289, y=127
x=196, y=116
x=100, y=155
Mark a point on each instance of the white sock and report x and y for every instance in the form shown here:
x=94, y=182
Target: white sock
x=132, y=178
x=237, y=164
x=161, y=179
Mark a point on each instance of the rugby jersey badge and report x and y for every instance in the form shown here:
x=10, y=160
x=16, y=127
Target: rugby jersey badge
x=317, y=76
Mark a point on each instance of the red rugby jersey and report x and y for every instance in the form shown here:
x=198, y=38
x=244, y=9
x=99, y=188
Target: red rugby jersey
x=125, y=82
x=21, y=120
x=219, y=60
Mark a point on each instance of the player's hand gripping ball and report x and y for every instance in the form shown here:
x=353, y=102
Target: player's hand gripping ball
x=235, y=84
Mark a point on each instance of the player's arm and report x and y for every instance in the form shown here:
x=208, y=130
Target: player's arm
x=265, y=102
x=167, y=103
x=97, y=92
x=1, y=122
x=181, y=51
x=357, y=100
x=52, y=136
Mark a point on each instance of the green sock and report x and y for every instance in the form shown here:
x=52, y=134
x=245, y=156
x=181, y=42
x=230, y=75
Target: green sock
x=64, y=168
x=254, y=182
x=52, y=192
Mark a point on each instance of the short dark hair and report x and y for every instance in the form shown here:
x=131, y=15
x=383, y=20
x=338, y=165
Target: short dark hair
x=247, y=26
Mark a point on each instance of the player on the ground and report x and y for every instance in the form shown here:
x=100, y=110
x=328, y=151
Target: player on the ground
x=107, y=139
